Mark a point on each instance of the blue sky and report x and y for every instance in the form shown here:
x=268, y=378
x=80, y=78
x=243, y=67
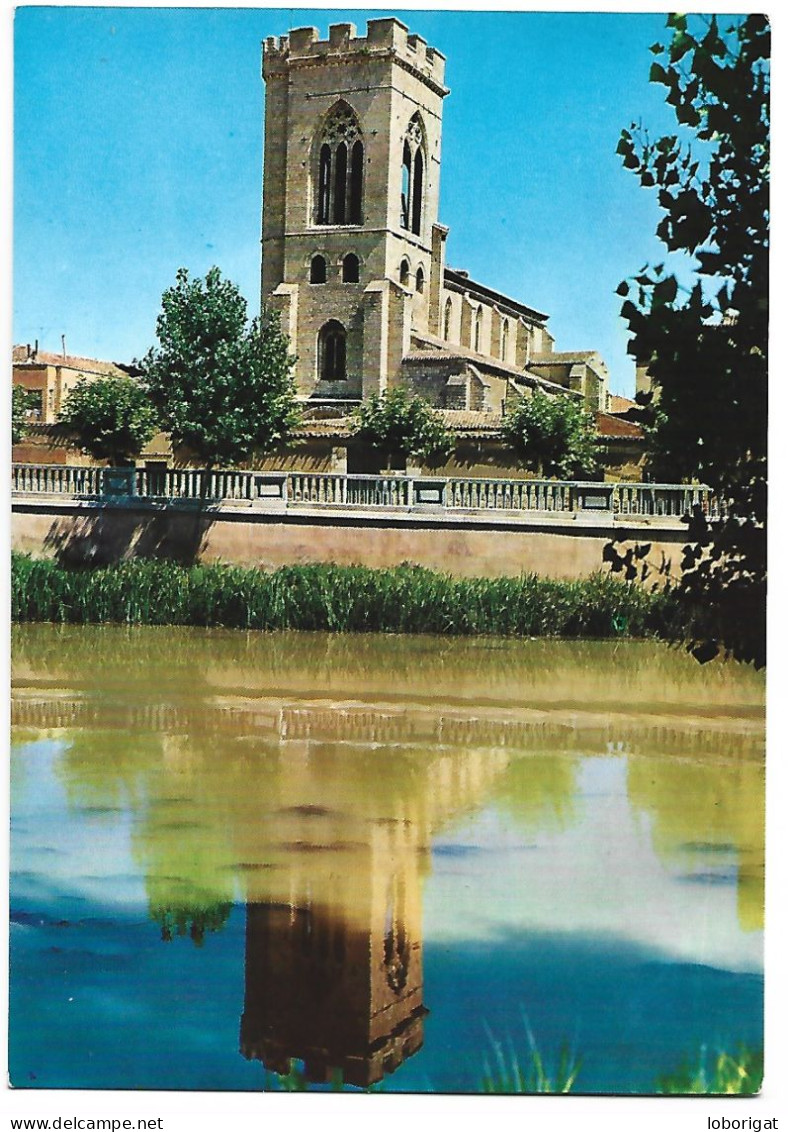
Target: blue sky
x=138, y=149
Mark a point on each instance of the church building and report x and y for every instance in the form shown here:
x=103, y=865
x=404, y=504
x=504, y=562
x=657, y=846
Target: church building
x=354, y=254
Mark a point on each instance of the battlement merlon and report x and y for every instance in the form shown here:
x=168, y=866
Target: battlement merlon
x=389, y=36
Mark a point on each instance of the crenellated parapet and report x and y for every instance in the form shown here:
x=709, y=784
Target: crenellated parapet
x=385, y=38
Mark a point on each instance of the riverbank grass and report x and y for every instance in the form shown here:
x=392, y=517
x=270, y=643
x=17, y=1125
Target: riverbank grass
x=404, y=599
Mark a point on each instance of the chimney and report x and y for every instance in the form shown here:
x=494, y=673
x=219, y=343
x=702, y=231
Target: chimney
x=28, y=351
x=35, y=349
x=63, y=340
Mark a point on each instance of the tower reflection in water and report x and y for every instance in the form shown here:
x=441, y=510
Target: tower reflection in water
x=342, y=999
x=308, y=780
x=334, y=974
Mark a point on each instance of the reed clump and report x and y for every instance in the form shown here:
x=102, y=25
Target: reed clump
x=717, y=1073
x=403, y=599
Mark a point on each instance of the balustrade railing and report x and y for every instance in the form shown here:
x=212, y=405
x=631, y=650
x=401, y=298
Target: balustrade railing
x=56, y=479
x=401, y=492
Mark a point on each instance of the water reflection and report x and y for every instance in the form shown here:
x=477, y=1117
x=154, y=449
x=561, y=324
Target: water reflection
x=309, y=779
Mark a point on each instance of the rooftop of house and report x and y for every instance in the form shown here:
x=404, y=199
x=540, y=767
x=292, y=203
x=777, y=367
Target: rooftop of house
x=619, y=404
x=610, y=426
x=31, y=355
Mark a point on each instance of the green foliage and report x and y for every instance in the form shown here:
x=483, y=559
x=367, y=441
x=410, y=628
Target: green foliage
x=396, y=424
x=553, y=436
x=22, y=401
x=726, y=1074
x=508, y=1072
x=706, y=349
x=224, y=386
x=406, y=599
x=109, y=418
x=190, y=921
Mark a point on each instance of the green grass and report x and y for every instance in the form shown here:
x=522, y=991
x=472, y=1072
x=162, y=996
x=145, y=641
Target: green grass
x=506, y=1071
x=405, y=599
x=721, y=1074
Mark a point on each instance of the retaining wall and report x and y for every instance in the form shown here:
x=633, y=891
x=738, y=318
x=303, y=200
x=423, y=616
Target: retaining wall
x=468, y=545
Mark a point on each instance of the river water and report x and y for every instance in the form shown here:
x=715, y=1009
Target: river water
x=247, y=861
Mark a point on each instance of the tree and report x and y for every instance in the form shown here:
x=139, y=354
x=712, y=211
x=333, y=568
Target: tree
x=223, y=385
x=109, y=418
x=22, y=401
x=706, y=347
x=553, y=436
x=396, y=424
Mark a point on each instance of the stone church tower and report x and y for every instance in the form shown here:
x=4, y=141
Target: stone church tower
x=353, y=254
x=350, y=200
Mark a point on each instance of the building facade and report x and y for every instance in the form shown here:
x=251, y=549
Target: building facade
x=353, y=252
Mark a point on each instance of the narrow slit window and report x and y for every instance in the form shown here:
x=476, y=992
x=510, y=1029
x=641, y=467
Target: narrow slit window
x=324, y=185
x=405, y=195
x=356, y=182
x=447, y=320
x=340, y=183
x=418, y=178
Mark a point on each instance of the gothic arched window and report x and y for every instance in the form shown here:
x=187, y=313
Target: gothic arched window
x=420, y=279
x=447, y=320
x=404, y=211
x=477, y=332
x=413, y=160
x=350, y=268
x=340, y=169
x=317, y=269
x=404, y=272
x=332, y=351
x=504, y=339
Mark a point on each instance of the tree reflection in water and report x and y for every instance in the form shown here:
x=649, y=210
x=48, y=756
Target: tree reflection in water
x=307, y=778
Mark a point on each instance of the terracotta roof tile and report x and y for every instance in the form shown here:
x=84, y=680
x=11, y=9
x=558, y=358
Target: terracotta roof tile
x=619, y=404
x=607, y=425
x=45, y=358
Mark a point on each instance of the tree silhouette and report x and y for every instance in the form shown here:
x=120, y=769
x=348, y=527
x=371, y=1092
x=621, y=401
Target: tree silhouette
x=706, y=347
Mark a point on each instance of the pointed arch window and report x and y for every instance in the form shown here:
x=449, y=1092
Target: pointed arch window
x=340, y=169
x=404, y=273
x=504, y=339
x=413, y=164
x=350, y=268
x=404, y=211
x=332, y=351
x=420, y=279
x=317, y=269
x=447, y=320
x=477, y=331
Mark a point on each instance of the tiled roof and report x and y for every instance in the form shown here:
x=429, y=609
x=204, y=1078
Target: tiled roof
x=567, y=357
x=463, y=282
x=44, y=358
x=439, y=351
x=619, y=404
x=463, y=419
x=607, y=425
